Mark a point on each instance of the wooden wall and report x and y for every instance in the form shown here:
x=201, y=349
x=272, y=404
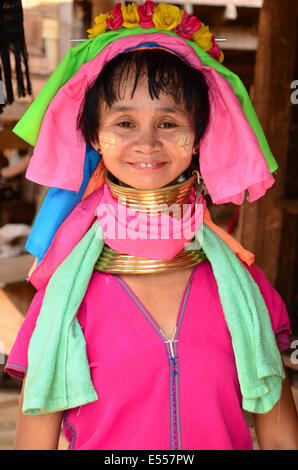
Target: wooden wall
x=269, y=226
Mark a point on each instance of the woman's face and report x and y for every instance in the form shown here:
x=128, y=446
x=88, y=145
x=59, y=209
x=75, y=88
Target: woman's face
x=146, y=143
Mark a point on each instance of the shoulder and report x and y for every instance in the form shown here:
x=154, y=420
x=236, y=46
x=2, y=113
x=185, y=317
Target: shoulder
x=205, y=280
x=270, y=294
x=98, y=295
x=276, y=306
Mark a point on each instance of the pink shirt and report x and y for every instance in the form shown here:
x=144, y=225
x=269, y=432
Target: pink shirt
x=155, y=394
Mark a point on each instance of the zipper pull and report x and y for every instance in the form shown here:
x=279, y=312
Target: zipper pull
x=170, y=341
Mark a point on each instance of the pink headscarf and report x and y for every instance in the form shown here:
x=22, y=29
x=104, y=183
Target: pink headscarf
x=231, y=160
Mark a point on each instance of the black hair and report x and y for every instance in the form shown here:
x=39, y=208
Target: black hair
x=166, y=73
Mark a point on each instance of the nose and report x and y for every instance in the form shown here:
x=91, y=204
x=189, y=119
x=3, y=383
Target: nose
x=147, y=140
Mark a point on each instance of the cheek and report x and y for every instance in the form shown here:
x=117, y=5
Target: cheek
x=107, y=142
x=184, y=143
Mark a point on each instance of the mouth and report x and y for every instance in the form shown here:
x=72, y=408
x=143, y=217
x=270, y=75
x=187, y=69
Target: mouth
x=153, y=165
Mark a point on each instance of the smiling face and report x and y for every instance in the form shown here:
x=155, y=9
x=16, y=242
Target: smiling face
x=145, y=143
x=145, y=112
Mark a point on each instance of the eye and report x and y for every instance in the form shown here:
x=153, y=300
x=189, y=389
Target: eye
x=125, y=124
x=167, y=125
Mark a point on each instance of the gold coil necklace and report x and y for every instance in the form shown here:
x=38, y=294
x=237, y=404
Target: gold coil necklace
x=153, y=202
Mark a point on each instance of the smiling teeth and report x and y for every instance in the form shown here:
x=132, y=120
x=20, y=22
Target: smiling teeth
x=146, y=165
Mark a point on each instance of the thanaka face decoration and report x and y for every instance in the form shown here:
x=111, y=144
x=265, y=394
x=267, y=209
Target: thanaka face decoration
x=185, y=143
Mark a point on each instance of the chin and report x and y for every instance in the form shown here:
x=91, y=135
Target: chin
x=147, y=180
x=149, y=187
x=148, y=184
x=143, y=182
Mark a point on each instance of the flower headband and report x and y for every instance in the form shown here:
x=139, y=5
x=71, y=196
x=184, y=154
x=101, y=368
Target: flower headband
x=161, y=16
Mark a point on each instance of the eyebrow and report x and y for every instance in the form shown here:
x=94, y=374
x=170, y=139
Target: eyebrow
x=163, y=109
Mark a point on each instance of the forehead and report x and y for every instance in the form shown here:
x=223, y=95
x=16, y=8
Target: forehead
x=132, y=93
x=142, y=102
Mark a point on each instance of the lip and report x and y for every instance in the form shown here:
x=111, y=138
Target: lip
x=138, y=165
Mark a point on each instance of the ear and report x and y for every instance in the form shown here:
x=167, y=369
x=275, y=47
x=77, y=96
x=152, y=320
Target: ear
x=96, y=145
x=196, y=148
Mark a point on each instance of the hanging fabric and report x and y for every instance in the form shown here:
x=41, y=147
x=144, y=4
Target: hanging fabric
x=12, y=40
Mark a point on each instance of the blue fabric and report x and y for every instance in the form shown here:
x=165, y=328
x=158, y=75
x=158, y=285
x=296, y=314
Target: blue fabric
x=56, y=207
x=154, y=45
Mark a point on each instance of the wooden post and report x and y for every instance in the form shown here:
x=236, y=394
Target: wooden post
x=261, y=222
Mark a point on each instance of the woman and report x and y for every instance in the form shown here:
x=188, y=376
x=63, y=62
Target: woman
x=148, y=331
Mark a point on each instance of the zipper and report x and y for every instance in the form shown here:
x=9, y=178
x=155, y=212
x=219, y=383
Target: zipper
x=175, y=406
x=172, y=349
x=174, y=396
x=172, y=352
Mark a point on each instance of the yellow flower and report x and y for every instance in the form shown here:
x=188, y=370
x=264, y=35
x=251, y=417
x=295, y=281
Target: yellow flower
x=203, y=37
x=167, y=17
x=100, y=25
x=221, y=57
x=130, y=16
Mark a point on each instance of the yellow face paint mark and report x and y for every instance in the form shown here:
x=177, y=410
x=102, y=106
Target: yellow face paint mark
x=184, y=142
x=107, y=142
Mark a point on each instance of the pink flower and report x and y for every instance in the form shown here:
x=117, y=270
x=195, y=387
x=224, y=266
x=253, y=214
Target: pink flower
x=188, y=26
x=116, y=21
x=145, y=13
x=214, y=51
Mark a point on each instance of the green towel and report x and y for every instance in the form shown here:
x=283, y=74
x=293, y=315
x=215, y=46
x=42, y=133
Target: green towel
x=58, y=376
x=258, y=361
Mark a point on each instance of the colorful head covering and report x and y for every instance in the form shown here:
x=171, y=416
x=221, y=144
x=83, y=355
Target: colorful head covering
x=234, y=153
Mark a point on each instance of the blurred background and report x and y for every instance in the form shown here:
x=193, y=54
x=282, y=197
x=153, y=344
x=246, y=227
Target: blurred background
x=261, y=47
